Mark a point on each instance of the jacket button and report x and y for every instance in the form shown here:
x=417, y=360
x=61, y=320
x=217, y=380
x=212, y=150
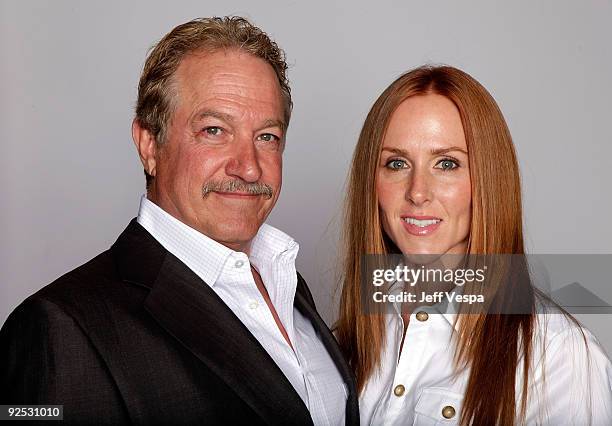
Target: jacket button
x=422, y=316
x=448, y=412
x=399, y=390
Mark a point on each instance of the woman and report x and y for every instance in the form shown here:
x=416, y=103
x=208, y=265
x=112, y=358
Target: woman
x=435, y=172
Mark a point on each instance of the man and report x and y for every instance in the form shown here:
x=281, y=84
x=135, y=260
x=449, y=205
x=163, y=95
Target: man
x=196, y=314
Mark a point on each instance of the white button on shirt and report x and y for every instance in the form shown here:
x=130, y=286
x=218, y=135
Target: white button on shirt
x=308, y=366
x=418, y=385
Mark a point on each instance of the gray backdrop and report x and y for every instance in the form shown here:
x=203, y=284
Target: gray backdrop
x=71, y=180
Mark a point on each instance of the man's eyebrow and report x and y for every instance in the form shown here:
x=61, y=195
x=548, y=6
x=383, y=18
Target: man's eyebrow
x=273, y=123
x=229, y=119
x=212, y=113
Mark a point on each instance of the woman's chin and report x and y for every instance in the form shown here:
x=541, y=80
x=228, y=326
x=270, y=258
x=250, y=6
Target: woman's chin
x=421, y=257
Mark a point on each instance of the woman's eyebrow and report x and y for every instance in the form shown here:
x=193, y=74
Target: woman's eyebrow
x=440, y=151
x=397, y=151
x=433, y=151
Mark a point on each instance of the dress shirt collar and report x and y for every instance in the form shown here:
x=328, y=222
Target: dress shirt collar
x=448, y=310
x=271, y=245
x=205, y=256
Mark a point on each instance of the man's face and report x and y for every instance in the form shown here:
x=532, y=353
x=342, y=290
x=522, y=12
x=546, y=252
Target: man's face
x=220, y=169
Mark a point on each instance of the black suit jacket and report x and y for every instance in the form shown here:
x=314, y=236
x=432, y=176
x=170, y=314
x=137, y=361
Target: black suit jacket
x=134, y=336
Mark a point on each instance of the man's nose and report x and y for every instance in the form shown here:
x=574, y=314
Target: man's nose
x=244, y=161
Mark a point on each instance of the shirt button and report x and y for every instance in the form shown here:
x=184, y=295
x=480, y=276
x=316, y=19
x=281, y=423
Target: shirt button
x=448, y=412
x=253, y=305
x=422, y=316
x=399, y=390
x=239, y=263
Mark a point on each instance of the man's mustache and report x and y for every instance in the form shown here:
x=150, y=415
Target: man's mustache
x=237, y=185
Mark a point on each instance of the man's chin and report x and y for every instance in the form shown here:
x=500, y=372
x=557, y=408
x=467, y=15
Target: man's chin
x=236, y=238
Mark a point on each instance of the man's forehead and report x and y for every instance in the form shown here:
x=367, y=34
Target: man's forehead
x=233, y=68
x=232, y=78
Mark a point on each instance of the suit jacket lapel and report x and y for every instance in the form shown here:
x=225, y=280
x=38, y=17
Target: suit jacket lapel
x=304, y=303
x=193, y=313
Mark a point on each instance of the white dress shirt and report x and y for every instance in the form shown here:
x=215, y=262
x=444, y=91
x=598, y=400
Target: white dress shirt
x=570, y=384
x=308, y=366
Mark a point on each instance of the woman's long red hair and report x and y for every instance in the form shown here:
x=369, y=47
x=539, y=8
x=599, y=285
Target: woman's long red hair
x=492, y=345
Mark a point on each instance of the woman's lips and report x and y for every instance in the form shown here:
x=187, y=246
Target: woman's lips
x=421, y=225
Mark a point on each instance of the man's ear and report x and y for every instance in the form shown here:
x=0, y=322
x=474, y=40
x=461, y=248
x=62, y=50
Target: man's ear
x=146, y=146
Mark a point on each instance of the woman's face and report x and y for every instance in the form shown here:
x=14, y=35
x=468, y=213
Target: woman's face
x=423, y=178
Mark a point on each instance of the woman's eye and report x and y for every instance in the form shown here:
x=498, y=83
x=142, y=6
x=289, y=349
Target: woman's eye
x=447, y=164
x=396, y=164
x=268, y=137
x=213, y=130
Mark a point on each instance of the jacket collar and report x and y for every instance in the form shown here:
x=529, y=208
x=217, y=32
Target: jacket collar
x=305, y=304
x=192, y=312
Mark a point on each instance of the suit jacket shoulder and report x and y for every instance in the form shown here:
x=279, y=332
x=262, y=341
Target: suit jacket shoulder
x=133, y=336
x=47, y=356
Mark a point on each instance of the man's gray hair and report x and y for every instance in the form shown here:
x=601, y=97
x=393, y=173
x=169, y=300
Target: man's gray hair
x=156, y=91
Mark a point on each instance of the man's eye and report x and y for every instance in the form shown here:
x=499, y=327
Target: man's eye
x=213, y=130
x=447, y=164
x=268, y=137
x=396, y=164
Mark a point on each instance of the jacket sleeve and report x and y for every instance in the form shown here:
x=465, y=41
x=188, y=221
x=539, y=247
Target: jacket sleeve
x=46, y=358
